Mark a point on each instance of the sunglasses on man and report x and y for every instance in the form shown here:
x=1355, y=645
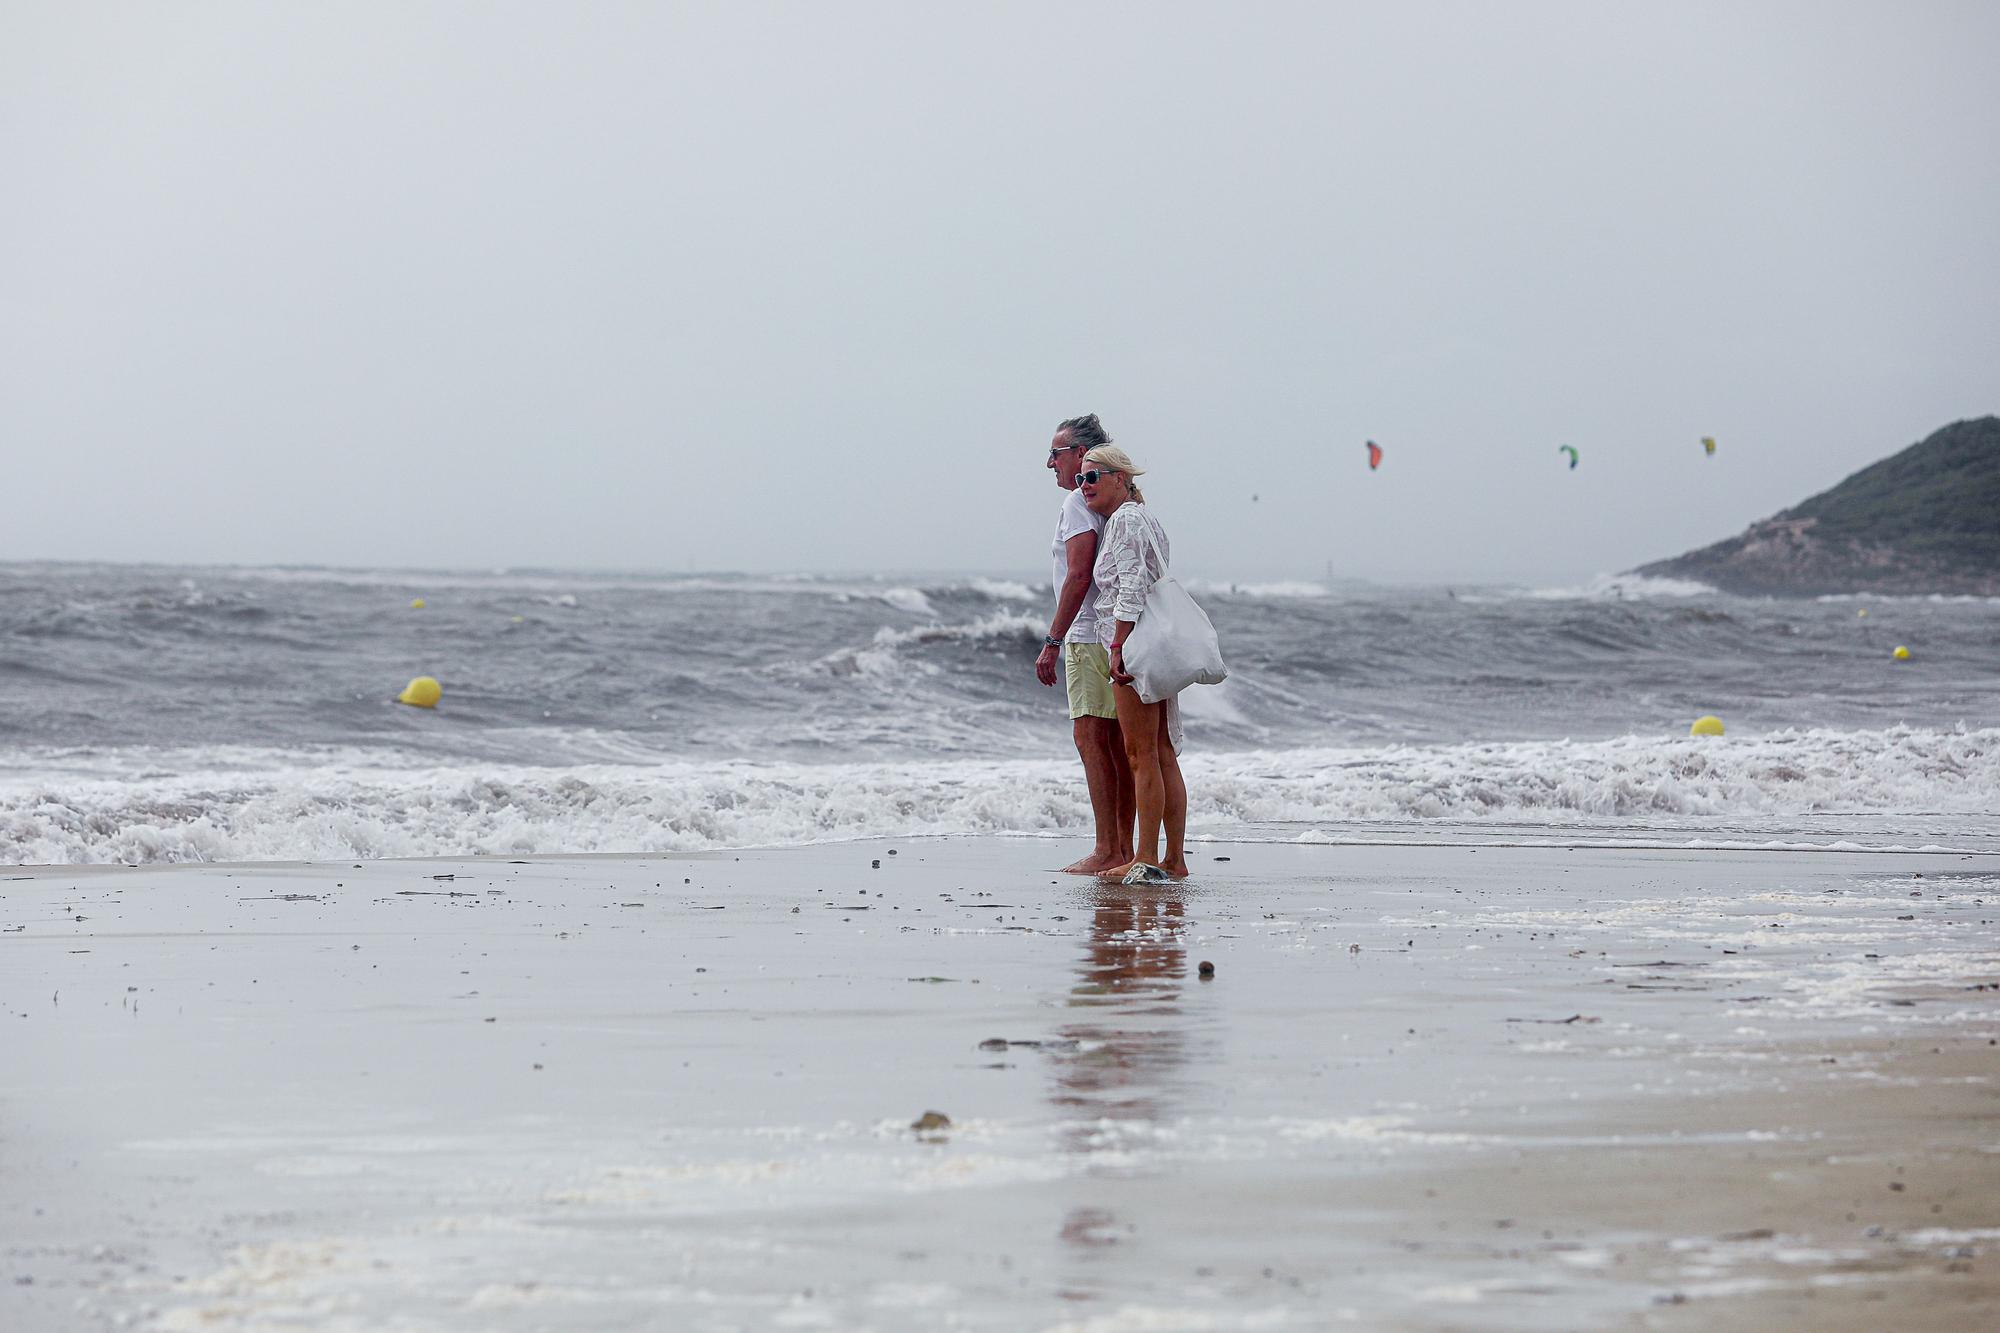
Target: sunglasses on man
x=1091, y=476
x=1064, y=449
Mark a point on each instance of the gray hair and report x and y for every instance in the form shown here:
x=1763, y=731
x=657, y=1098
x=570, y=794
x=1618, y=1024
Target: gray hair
x=1085, y=430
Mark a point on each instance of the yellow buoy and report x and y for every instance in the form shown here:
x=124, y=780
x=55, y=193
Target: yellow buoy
x=423, y=692
x=417, y=604
x=1862, y=613
x=520, y=620
x=1901, y=654
x=1706, y=726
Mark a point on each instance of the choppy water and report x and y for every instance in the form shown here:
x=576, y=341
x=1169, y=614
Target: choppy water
x=150, y=713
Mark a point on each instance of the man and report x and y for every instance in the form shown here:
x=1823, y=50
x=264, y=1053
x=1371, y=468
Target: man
x=1071, y=648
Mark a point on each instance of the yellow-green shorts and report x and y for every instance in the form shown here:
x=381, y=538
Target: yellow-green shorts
x=1087, y=672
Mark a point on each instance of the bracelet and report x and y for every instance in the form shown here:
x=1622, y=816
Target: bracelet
x=1051, y=641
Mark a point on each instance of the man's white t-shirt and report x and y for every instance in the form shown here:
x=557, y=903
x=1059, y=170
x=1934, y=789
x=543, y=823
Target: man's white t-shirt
x=1074, y=520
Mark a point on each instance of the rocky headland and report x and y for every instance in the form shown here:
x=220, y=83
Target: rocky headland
x=1923, y=521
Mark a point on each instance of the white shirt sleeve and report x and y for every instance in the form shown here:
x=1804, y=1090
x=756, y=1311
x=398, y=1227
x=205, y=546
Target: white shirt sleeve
x=1131, y=562
x=1076, y=519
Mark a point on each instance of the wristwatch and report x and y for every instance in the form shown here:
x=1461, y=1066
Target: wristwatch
x=1051, y=641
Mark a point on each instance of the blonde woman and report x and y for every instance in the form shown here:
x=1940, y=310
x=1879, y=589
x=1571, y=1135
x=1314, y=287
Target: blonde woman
x=1131, y=555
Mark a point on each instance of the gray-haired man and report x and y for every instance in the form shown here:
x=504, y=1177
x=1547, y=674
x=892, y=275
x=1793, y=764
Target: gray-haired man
x=1071, y=650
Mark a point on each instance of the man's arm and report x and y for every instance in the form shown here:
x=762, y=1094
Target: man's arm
x=1081, y=551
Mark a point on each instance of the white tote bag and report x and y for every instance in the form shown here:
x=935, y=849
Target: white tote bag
x=1173, y=646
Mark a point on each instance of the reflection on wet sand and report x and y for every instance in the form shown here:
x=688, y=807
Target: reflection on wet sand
x=1132, y=1037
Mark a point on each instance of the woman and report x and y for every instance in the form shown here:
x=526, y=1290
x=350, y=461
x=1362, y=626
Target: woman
x=1131, y=556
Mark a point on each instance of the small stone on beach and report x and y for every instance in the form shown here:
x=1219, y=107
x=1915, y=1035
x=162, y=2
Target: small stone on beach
x=930, y=1122
x=1206, y=969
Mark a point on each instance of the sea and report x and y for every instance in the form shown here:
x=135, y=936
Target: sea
x=152, y=714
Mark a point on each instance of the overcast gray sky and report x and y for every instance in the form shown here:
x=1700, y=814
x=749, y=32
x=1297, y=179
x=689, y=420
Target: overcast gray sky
x=806, y=286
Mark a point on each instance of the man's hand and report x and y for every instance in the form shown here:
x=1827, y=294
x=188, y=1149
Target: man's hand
x=1045, y=665
x=1119, y=675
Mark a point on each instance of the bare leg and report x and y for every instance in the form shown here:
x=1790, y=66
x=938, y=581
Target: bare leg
x=1128, y=801
x=1141, y=730
x=1097, y=745
x=1175, y=813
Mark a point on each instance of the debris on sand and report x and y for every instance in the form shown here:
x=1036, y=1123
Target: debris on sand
x=1206, y=969
x=931, y=1123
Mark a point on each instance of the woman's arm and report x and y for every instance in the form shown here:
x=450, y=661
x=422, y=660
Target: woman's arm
x=1119, y=674
x=1131, y=579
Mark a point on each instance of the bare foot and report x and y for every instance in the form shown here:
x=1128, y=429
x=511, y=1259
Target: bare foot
x=1133, y=872
x=1094, y=864
x=1178, y=867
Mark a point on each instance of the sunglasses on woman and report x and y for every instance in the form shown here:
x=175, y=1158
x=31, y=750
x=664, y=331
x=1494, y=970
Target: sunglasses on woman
x=1091, y=476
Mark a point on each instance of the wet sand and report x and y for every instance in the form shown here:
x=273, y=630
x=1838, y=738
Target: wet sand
x=1426, y=1087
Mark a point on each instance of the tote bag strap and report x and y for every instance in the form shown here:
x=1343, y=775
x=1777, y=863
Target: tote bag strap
x=1146, y=523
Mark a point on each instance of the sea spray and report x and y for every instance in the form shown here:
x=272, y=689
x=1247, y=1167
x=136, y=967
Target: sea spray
x=261, y=808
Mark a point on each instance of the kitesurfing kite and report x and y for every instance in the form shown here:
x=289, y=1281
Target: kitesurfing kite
x=1571, y=451
x=1374, y=455
x=1708, y=445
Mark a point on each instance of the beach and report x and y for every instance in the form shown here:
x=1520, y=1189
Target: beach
x=549, y=635
x=1425, y=1086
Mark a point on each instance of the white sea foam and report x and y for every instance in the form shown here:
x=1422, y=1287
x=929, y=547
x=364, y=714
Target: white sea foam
x=245, y=807
x=908, y=599
x=999, y=625
x=1913, y=599
x=1622, y=587
x=1004, y=590
x=880, y=657
x=553, y=588
x=1279, y=589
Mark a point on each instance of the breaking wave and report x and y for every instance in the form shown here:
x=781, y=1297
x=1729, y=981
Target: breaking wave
x=1282, y=589
x=880, y=655
x=1623, y=588
x=296, y=808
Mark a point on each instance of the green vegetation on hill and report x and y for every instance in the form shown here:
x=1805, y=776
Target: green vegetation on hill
x=1937, y=498
x=1926, y=520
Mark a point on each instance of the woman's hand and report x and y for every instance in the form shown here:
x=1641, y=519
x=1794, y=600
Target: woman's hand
x=1119, y=675
x=1045, y=665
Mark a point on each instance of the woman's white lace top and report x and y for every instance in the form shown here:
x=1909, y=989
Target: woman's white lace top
x=1131, y=556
